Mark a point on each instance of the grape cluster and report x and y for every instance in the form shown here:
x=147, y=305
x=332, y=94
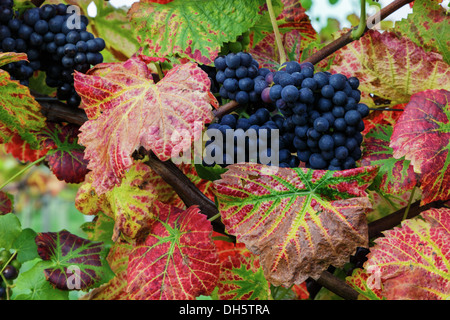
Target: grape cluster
x=250, y=142
x=237, y=73
x=55, y=42
x=322, y=110
x=9, y=267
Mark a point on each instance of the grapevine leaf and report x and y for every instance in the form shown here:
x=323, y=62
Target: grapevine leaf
x=428, y=26
x=358, y=280
x=31, y=285
x=422, y=136
x=22, y=151
x=242, y=278
x=10, y=229
x=136, y=113
x=6, y=205
x=299, y=221
x=192, y=29
x=411, y=261
x=132, y=201
x=396, y=176
x=76, y=263
x=130, y=204
x=391, y=67
x=19, y=112
x=65, y=156
x=115, y=289
x=178, y=260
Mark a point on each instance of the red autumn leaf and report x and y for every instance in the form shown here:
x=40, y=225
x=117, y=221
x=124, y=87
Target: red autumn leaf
x=422, y=136
x=177, y=261
x=242, y=278
x=391, y=67
x=5, y=203
x=412, y=261
x=396, y=176
x=65, y=157
x=22, y=151
x=72, y=260
x=127, y=110
x=358, y=280
x=299, y=221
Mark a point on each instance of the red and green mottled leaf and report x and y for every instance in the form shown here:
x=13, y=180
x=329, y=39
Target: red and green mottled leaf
x=131, y=203
x=128, y=110
x=22, y=151
x=65, y=157
x=358, y=280
x=299, y=221
x=19, y=112
x=192, y=29
x=75, y=261
x=391, y=67
x=422, y=135
x=242, y=278
x=115, y=289
x=428, y=26
x=412, y=261
x=5, y=203
x=396, y=176
x=177, y=261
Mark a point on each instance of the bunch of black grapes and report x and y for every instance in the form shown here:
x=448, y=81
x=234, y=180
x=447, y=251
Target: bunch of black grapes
x=251, y=140
x=236, y=74
x=324, y=112
x=55, y=42
x=9, y=267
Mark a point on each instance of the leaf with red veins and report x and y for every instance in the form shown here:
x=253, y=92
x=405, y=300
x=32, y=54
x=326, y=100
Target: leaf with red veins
x=391, y=67
x=177, y=261
x=5, y=203
x=242, y=278
x=358, y=280
x=22, y=151
x=299, y=221
x=135, y=112
x=72, y=260
x=381, y=117
x=422, y=135
x=65, y=157
x=191, y=29
x=412, y=261
x=396, y=176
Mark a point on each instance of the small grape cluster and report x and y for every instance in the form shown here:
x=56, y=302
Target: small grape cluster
x=9, y=267
x=236, y=73
x=256, y=131
x=241, y=44
x=53, y=44
x=322, y=110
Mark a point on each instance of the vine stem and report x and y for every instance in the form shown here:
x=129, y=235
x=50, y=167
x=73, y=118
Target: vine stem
x=21, y=171
x=276, y=31
x=409, y=203
x=347, y=37
x=357, y=33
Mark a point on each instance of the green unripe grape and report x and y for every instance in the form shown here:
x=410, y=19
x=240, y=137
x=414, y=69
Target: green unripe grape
x=235, y=47
x=16, y=264
x=245, y=39
x=5, y=255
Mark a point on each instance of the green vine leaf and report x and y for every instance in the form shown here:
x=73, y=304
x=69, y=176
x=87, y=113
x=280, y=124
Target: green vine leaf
x=299, y=221
x=75, y=263
x=19, y=112
x=192, y=29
